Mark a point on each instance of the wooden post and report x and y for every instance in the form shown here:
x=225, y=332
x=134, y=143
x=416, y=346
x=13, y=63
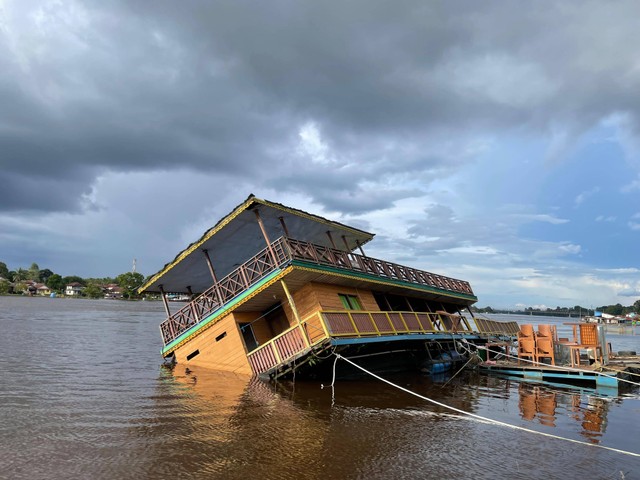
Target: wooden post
x=213, y=276
x=190, y=292
x=360, y=247
x=284, y=226
x=164, y=301
x=346, y=244
x=210, y=265
x=331, y=240
x=266, y=238
x=295, y=312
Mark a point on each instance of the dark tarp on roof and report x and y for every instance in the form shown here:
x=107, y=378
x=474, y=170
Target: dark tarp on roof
x=237, y=237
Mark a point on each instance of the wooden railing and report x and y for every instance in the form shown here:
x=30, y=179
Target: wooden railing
x=373, y=266
x=348, y=323
x=360, y=324
x=285, y=250
x=239, y=280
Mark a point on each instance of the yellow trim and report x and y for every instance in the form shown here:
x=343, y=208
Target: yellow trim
x=227, y=311
x=194, y=246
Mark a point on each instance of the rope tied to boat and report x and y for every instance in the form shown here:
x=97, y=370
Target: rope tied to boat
x=468, y=414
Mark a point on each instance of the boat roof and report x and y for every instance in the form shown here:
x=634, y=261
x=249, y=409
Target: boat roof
x=237, y=237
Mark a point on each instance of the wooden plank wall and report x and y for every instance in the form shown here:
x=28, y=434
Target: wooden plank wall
x=228, y=353
x=327, y=296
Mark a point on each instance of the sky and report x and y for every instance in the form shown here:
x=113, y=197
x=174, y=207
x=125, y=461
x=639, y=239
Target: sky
x=496, y=142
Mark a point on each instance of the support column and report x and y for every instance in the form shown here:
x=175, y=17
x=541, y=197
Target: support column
x=360, y=247
x=164, y=300
x=346, y=244
x=210, y=265
x=213, y=276
x=284, y=226
x=295, y=312
x=266, y=238
x=190, y=292
x=331, y=240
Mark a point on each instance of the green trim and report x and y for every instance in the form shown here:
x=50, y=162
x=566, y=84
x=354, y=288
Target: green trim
x=389, y=281
x=218, y=313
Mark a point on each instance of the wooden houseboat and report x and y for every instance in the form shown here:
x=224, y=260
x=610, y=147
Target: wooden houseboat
x=274, y=290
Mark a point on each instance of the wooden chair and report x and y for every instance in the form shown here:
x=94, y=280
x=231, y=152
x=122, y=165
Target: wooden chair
x=545, y=348
x=589, y=339
x=526, y=343
x=526, y=330
x=547, y=330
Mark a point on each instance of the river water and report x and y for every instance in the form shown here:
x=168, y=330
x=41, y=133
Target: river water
x=83, y=395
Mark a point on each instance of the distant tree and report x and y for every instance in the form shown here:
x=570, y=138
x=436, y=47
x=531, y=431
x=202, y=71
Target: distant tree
x=636, y=306
x=55, y=282
x=34, y=272
x=43, y=275
x=4, y=287
x=93, y=291
x=616, y=309
x=73, y=279
x=4, y=271
x=21, y=275
x=19, y=287
x=130, y=282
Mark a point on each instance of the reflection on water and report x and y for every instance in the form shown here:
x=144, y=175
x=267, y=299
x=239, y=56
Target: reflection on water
x=541, y=403
x=82, y=395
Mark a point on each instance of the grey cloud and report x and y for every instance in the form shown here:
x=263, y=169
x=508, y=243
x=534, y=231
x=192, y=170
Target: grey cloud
x=225, y=86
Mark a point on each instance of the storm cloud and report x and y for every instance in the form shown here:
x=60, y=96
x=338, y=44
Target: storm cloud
x=356, y=107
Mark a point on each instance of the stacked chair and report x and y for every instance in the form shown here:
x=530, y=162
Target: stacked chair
x=527, y=343
x=536, y=345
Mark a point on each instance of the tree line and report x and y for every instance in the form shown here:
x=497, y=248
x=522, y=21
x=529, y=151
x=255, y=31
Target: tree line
x=18, y=281
x=577, y=310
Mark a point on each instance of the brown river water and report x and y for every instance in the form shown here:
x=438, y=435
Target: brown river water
x=83, y=395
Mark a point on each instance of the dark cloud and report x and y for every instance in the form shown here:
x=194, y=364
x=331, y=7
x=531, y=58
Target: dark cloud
x=226, y=86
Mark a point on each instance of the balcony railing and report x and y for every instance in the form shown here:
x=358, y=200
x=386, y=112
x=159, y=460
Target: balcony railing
x=349, y=323
x=285, y=250
x=239, y=280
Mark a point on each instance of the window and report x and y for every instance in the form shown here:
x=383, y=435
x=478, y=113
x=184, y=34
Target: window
x=350, y=302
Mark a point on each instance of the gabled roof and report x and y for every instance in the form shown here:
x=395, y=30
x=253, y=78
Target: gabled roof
x=237, y=237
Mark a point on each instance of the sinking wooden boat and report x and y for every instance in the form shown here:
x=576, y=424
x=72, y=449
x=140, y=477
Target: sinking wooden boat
x=275, y=290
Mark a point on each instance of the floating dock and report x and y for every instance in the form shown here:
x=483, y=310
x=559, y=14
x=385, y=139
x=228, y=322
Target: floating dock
x=620, y=374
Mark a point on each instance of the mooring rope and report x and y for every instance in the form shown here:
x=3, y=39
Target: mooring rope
x=473, y=415
x=559, y=367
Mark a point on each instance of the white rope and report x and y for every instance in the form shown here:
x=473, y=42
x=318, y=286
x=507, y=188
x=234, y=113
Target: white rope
x=560, y=367
x=479, y=417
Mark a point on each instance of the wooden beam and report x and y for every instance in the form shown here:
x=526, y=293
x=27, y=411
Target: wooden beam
x=164, y=300
x=295, y=312
x=360, y=247
x=266, y=237
x=346, y=244
x=331, y=239
x=210, y=265
x=284, y=226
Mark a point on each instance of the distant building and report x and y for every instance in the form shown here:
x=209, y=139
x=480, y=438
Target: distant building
x=73, y=289
x=112, y=290
x=42, y=289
